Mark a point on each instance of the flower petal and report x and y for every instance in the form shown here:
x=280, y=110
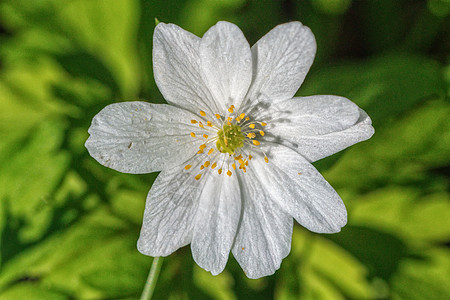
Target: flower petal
x=281, y=60
x=265, y=232
x=170, y=211
x=317, y=126
x=139, y=137
x=299, y=189
x=216, y=222
x=176, y=67
x=226, y=62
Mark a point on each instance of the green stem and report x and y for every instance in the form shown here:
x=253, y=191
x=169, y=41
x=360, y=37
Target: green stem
x=152, y=279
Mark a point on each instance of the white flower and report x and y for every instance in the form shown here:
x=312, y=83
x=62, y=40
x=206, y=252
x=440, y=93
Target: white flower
x=233, y=146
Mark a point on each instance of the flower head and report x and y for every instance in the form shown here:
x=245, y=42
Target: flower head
x=233, y=146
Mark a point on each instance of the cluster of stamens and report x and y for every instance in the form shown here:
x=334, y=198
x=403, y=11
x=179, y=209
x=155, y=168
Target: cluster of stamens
x=234, y=133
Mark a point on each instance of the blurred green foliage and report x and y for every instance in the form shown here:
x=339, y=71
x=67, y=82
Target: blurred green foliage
x=68, y=226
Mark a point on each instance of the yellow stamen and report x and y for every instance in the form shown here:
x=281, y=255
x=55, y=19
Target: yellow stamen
x=210, y=151
x=208, y=123
x=202, y=167
x=199, y=151
x=192, y=134
x=263, y=123
x=231, y=109
x=193, y=121
x=206, y=164
x=251, y=135
x=261, y=133
x=250, y=157
x=256, y=143
x=205, y=136
x=213, y=165
x=198, y=176
x=234, y=166
x=200, y=124
x=219, y=171
x=202, y=146
x=246, y=119
x=241, y=116
x=251, y=126
x=218, y=116
x=266, y=159
x=187, y=167
x=229, y=173
x=202, y=113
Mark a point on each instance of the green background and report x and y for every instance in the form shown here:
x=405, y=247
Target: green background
x=69, y=226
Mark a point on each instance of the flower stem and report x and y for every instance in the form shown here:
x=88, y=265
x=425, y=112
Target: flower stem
x=149, y=287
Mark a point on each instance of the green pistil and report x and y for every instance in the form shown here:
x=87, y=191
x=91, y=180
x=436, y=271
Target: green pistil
x=230, y=139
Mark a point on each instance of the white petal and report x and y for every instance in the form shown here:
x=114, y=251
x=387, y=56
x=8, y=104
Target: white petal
x=281, y=60
x=226, y=63
x=265, y=232
x=170, y=211
x=139, y=137
x=216, y=222
x=300, y=190
x=317, y=126
x=176, y=67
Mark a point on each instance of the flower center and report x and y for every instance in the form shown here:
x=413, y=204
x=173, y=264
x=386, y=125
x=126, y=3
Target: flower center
x=234, y=139
x=230, y=138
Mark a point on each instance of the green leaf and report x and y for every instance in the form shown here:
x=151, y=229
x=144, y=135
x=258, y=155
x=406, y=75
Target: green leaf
x=424, y=278
x=385, y=86
x=320, y=265
x=404, y=152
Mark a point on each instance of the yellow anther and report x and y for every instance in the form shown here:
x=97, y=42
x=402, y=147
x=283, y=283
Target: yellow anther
x=231, y=109
x=228, y=123
x=199, y=151
x=250, y=157
x=241, y=116
x=219, y=171
x=202, y=146
x=202, y=167
x=205, y=136
x=210, y=151
x=241, y=161
x=229, y=173
x=208, y=123
x=256, y=143
x=200, y=124
x=218, y=116
x=193, y=121
x=266, y=159
x=238, y=119
x=299, y=173
x=261, y=133
x=202, y=113
x=198, y=176
x=263, y=123
x=187, y=167
x=234, y=166
x=213, y=165
x=192, y=134
x=246, y=119
x=207, y=163
x=251, y=135
x=251, y=126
